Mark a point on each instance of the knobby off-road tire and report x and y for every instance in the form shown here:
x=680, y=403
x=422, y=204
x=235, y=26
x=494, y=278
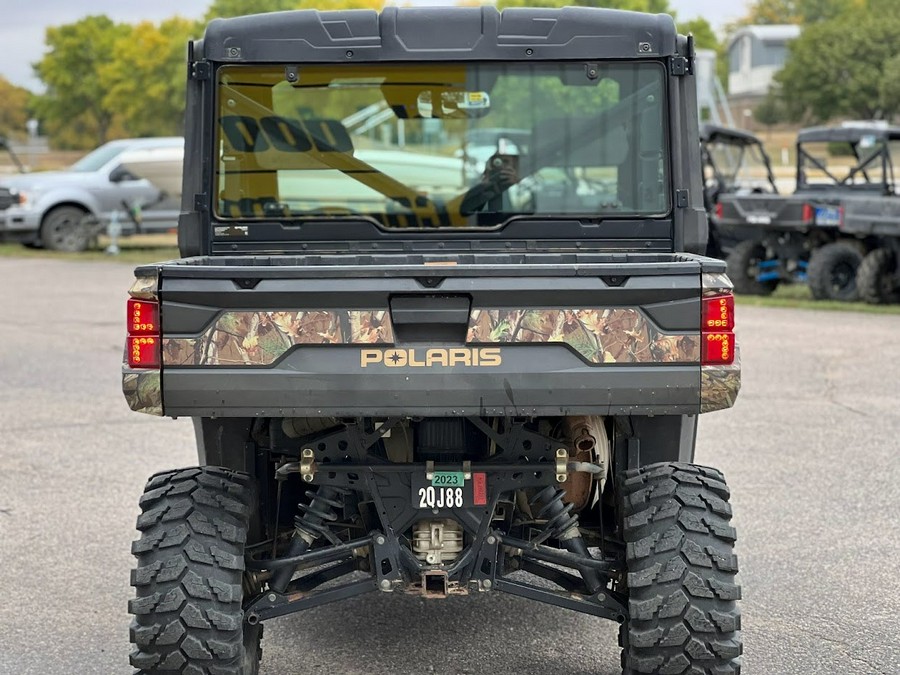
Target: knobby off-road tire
x=877, y=278
x=742, y=265
x=832, y=272
x=682, y=589
x=189, y=580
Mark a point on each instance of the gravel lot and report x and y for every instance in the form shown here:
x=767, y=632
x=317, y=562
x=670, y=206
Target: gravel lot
x=810, y=452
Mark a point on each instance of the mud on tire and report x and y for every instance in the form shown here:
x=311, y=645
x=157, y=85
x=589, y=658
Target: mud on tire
x=682, y=589
x=188, y=615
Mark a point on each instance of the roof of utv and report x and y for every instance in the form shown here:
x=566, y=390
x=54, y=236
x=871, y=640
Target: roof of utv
x=438, y=34
x=713, y=132
x=848, y=132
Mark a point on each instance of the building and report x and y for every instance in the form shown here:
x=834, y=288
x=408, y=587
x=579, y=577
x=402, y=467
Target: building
x=755, y=54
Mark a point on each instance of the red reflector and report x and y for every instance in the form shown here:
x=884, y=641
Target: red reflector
x=479, y=489
x=720, y=210
x=717, y=348
x=807, y=215
x=143, y=351
x=718, y=313
x=143, y=317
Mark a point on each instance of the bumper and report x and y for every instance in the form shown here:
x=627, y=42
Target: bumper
x=530, y=380
x=19, y=223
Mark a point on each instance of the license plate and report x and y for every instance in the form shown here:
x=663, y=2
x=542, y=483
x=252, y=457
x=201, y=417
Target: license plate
x=828, y=215
x=448, y=490
x=759, y=219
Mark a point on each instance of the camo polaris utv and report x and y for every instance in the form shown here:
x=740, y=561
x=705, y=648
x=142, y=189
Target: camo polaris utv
x=409, y=377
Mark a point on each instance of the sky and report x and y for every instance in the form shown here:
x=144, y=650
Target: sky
x=24, y=22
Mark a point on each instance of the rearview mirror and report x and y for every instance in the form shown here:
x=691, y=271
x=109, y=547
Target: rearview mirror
x=452, y=103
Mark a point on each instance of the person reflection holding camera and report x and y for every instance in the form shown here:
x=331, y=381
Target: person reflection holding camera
x=500, y=173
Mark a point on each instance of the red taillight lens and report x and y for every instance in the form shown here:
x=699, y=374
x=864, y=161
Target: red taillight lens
x=143, y=317
x=143, y=351
x=807, y=214
x=718, y=313
x=716, y=331
x=720, y=210
x=717, y=348
x=143, y=333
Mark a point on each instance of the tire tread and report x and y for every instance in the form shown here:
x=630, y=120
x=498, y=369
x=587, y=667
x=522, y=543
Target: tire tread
x=188, y=579
x=683, y=592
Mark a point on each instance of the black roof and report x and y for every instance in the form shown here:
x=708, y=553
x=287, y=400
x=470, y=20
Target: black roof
x=850, y=133
x=438, y=34
x=713, y=132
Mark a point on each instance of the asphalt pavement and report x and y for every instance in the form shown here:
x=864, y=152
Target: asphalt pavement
x=810, y=452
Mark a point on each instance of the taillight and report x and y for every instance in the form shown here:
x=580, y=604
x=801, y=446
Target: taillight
x=718, y=313
x=807, y=215
x=717, y=330
x=720, y=210
x=143, y=333
x=143, y=317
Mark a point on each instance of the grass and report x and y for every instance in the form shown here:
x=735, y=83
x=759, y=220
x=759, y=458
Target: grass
x=139, y=249
x=798, y=296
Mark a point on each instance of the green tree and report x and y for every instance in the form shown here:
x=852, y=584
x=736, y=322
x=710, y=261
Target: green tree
x=704, y=36
x=889, y=87
x=771, y=110
x=653, y=6
x=229, y=8
x=72, y=108
x=145, y=81
x=836, y=68
x=796, y=11
x=13, y=108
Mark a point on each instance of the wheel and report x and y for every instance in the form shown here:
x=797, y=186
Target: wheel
x=682, y=590
x=832, y=272
x=63, y=229
x=877, y=278
x=189, y=580
x=743, y=269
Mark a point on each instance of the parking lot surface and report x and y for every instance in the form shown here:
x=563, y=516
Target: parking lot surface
x=810, y=451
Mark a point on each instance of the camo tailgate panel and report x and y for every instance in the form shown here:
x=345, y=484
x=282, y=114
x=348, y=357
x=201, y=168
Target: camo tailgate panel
x=599, y=335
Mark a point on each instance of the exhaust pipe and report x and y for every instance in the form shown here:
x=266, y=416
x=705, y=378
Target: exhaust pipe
x=588, y=436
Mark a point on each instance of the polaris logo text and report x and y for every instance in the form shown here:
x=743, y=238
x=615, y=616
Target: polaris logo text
x=429, y=358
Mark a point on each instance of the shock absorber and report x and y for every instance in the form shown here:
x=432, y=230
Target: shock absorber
x=309, y=524
x=563, y=525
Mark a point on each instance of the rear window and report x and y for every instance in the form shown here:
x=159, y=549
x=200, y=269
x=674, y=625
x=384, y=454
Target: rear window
x=436, y=146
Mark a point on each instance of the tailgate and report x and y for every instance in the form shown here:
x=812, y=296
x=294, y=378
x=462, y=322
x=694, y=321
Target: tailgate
x=764, y=210
x=304, y=337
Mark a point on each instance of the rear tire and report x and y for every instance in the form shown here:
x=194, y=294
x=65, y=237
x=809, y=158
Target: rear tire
x=832, y=272
x=877, y=277
x=682, y=589
x=742, y=264
x=189, y=580
x=64, y=229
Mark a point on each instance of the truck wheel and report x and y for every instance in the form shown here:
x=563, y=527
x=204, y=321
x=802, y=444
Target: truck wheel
x=189, y=580
x=62, y=229
x=832, y=272
x=682, y=591
x=877, y=277
x=743, y=269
